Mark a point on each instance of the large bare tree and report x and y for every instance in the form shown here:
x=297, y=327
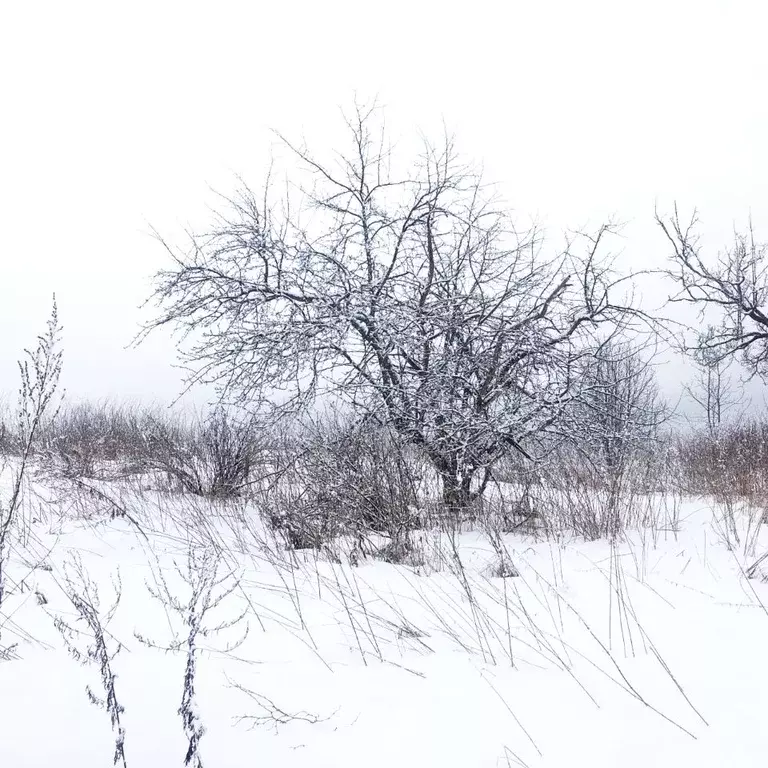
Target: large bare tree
x=414, y=297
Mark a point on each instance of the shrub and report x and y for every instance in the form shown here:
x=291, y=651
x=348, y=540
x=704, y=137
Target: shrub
x=346, y=477
x=733, y=458
x=214, y=457
x=86, y=439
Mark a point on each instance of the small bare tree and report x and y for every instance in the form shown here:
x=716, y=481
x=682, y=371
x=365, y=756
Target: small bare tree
x=414, y=297
x=620, y=410
x=713, y=388
x=608, y=444
x=734, y=284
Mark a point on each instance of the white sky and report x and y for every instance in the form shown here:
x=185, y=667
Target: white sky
x=119, y=115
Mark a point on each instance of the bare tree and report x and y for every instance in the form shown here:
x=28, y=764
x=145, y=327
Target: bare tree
x=607, y=454
x=620, y=411
x=713, y=389
x=414, y=298
x=734, y=284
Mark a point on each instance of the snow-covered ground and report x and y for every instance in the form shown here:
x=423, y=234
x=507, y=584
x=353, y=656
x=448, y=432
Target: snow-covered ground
x=651, y=652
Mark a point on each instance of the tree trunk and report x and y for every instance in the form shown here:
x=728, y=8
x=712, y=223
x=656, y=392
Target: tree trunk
x=457, y=494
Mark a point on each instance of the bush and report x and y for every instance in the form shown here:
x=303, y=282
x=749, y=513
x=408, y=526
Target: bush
x=7, y=442
x=87, y=439
x=569, y=490
x=214, y=457
x=345, y=477
x=731, y=458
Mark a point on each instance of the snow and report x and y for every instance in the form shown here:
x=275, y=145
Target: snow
x=647, y=652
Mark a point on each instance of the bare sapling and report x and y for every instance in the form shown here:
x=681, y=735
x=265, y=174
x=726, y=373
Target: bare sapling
x=89, y=642
x=207, y=589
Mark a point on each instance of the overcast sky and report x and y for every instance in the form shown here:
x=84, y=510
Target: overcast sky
x=118, y=116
